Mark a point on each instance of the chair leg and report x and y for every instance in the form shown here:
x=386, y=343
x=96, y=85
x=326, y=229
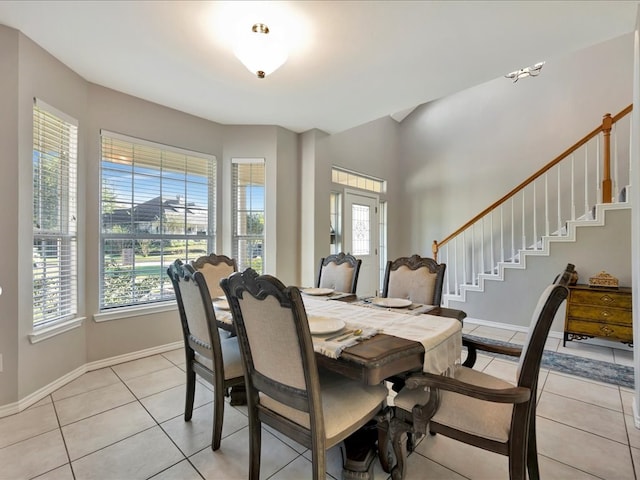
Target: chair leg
x=319, y=464
x=255, y=445
x=532, y=450
x=191, y=391
x=218, y=416
x=517, y=460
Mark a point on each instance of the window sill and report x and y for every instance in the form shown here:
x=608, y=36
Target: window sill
x=47, y=332
x=128, y=312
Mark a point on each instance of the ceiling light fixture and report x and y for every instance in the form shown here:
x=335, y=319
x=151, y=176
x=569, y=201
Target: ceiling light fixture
x=261, y=52
x=532, y=71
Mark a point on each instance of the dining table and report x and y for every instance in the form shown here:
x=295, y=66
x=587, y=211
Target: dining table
x=368, y=340
x=393, y=341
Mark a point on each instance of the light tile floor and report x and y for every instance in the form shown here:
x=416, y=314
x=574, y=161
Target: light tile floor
x=125, y=422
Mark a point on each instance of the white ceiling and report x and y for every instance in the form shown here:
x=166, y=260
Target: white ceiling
x=350, y=62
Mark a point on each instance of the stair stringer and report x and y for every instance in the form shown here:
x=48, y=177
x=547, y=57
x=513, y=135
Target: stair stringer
x=545, y=250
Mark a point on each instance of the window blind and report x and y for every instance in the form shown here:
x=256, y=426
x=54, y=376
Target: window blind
x=157, y=204
x=248, y=187
x=55, y=149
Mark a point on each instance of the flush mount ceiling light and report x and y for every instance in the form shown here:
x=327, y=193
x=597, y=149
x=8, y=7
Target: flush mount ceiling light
x=532, y=71
x=261, y=52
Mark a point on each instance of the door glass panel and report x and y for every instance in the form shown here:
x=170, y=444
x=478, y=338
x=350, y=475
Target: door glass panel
x=361, y=229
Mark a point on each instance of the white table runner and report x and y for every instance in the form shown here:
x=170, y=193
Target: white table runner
x=440, y=336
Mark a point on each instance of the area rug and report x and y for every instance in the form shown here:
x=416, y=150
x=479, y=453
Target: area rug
x=598, y=370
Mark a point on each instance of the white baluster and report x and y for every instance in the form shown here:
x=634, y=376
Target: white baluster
x=598, y=179
x=586, y=181
x=524, y=232
x=559, y=204
x=473, y=254
x=513, y=235
x=614, y=188
x=573, y=190
x=464, y=257
x=456, y=284
x=447, y=276
x=630, y=182
x=493, y=265
x=482, y=245
x=546, y=205
x=535, y=218
x=501, y=234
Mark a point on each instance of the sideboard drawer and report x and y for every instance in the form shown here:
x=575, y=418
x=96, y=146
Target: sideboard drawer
x=589, y=312
x=601, y=329
x=599, y=298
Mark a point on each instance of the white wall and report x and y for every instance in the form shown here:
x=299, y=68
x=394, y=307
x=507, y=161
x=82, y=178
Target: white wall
x=463, y=152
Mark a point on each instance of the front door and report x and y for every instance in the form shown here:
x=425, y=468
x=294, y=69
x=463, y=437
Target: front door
x=361, y=238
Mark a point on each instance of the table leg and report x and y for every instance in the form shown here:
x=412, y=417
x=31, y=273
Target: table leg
x=360, y=452
x=238, y=395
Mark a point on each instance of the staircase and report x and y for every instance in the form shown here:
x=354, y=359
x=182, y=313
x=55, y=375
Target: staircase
x=575, y=189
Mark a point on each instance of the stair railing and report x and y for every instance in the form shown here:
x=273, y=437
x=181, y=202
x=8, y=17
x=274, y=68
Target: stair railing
x=567, y=188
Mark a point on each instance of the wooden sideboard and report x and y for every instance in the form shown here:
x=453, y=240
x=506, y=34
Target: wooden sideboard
x=598, y=312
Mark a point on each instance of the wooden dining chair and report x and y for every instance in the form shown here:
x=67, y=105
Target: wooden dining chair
x=566, y=278
x=479, y=409
x=214, y=268
x=419, y=279
x=285, y=389
x=339, y=272
x=216, y=360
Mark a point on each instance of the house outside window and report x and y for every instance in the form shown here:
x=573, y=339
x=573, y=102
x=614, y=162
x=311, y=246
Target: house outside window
x=55, y=147
x=157, y=205
x=248, y=187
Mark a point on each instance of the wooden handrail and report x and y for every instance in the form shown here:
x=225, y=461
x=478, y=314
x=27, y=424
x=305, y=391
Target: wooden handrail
x=607, y=123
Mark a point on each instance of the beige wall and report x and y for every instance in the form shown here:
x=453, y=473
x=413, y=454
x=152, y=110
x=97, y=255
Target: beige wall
x=42, y=76
x=9, y=216
x=445, y=162
x=27, y=72
x=596, y=248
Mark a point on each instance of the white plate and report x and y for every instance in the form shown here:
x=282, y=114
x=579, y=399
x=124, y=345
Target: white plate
x=222, y=305
x=318, y=291
x=391, y=302
x=321, y=325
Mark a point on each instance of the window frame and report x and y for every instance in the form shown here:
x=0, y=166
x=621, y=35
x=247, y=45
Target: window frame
x=55, y=138
x=236, y=236
x=155, y=163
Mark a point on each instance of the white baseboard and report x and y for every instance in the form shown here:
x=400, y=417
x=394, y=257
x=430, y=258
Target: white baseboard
x=35, y=397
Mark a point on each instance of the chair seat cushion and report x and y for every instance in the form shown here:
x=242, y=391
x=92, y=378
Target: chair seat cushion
x=230, y=354
x=478, y=417
x=346, y=405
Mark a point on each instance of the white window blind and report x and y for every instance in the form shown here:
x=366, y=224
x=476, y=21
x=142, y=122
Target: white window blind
x=55, y=150
x=248, y=176
x=157, y=204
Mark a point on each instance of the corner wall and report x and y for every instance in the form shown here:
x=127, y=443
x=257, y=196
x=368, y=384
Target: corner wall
x=9, y=304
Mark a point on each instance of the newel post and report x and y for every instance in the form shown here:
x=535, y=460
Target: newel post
x=607, y=122
x=434, y=249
